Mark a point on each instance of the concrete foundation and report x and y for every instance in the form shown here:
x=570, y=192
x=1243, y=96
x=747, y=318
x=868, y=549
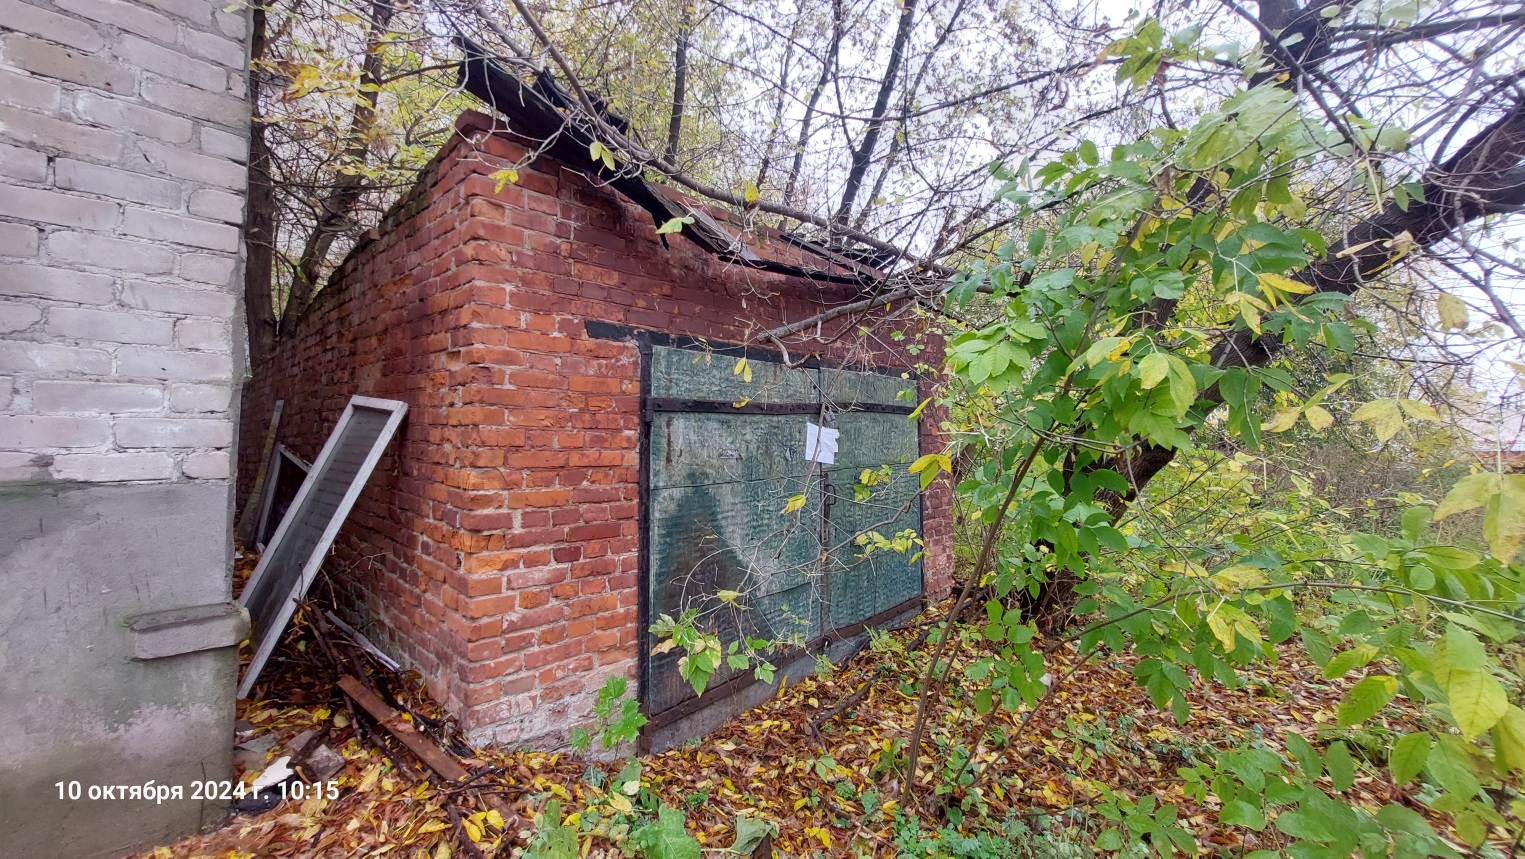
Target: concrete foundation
x=93, y=579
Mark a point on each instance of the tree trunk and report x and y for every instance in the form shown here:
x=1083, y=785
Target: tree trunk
x=679, y=81
x=865, y=151
x=827, y=66
x=259, y=226
x=338, y=205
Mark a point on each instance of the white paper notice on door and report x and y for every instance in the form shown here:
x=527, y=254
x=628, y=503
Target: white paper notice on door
x=820, y=444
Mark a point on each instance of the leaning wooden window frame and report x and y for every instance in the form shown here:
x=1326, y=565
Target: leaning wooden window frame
x=283, y=464
x=261, y=592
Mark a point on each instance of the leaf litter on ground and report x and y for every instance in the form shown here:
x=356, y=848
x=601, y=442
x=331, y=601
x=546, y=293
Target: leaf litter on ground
x=832, y=791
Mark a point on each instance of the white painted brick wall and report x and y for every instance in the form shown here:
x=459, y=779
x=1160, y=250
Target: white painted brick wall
x=123, y=139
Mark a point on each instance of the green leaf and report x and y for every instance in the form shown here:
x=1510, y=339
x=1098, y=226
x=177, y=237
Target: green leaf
x=665, y=838
x=750, y=833
x=1317, y=646
x=1109, y=840
x=1509, y=739
x=1366, y=699
x=1153, y=369
x=1340, y=766
x=1463, y=651
x=1470, y=828
x=983, y=701
x=1240, y=813
x=1414, y=519
x=1450, y=764
x=1301, y=825
x=1448, y=557
x=1408, y=756
x=674, y=225
x=1306, y=756
x=552, y=839
x=1088, y=153
x=1347, y=660
x=1183, y=386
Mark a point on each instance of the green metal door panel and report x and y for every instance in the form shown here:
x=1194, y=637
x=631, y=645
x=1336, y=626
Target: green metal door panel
x=706, y=376
x=718, y=480
x=847, y=386
x=859, y=587
x=871, y=439
x=717, y=485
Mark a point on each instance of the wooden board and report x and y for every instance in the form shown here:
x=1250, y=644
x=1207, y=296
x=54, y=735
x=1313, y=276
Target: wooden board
x=287, y=473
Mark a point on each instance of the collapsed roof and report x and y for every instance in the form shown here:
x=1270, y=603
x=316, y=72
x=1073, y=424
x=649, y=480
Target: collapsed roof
x=538, y=112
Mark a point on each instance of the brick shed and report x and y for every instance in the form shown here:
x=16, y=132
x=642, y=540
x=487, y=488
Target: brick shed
x=519, y=535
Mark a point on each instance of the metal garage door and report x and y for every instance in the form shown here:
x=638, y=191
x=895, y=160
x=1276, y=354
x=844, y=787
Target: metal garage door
x=724, y=456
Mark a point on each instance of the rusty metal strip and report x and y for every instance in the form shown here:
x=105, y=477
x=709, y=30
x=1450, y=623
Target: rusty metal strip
x=600, y=330
x=689, y=406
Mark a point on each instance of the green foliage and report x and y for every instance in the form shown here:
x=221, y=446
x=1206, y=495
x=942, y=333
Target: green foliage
x=618, y=717
x=552, y=838
x=1090, y=348
x=665, y=837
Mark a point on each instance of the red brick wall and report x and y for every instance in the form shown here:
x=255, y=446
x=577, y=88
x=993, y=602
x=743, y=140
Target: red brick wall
x=496, y=546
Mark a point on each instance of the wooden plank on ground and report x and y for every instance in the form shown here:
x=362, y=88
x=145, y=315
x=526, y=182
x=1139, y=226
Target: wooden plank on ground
x=422, y=747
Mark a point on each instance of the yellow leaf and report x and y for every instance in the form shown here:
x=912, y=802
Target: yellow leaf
x=1419, y=410
x=931, y=459
x=368, y=781
x=1283, y=419
x=742, y=369
x=1153, y=369
x=1453, y=313
x=730, y=597
x=433, y=826
x=621, y=803
x=503, y=177
x=1278, y=287
x=1239, y=576
x=1355, y=249
x=749, y=194
x=473, y=829
x=1222, y=630
x=1384, y=417
x=795, y=503
x=599, y=152
x=1319, y=417
x=442, y=851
